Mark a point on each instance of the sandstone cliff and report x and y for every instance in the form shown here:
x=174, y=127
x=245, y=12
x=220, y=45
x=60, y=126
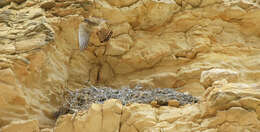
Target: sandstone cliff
x=190, y=45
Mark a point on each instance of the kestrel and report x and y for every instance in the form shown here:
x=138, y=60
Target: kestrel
x=93, y=25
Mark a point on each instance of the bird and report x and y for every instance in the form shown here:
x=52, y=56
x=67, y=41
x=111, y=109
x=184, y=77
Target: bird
x=91, y=25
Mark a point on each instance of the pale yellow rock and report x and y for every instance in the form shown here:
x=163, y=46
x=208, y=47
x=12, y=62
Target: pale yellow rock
x=233, y=14
x=11, y=93
x=156, y=43
x=194, y=3
x=106, y=73
x=230, y=95
x=111, y=117
x=120, y=66
x=100, y=51
x=23, y=126
x=28, y=45
x=92, y=121
x=242, y=116
x=173, y=103
x=169, y=114
x=157, y=13
x=63, y=124
x=35, y=12
x=138, y=116
x=221, y=112
x=119, y=46
x=47, y=130
x=208, y=77
x=250, y=103
x=143, y=55
x=210, y=2
x=147, y=83
x=210, y=130
x=122, y=3
x=121, y=29
x=179, y=127
x=7, y=49
x=227, y=127
x=164, y=80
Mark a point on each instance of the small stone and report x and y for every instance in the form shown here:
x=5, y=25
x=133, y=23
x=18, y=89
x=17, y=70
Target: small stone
x=154, y=104
x=4, y=3
x=162, y=101
x=48, y=5
x=173, y=103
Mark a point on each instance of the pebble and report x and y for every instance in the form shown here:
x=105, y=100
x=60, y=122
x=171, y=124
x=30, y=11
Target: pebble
x=173, y=103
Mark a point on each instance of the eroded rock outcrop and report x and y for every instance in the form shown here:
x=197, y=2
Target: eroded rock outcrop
x=26, y=126
x=209, y=77
x=166, y=43
x=24, y=33
x=229, y=107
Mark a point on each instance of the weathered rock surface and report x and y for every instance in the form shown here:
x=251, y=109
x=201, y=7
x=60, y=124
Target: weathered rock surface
x=166, y=43
x=210, y=76
x=4, y=3
x=82, y=99
x=229, y=107
x=25, y=126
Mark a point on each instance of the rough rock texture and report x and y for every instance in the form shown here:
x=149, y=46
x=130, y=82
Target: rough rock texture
x=210, y=76
x=166, y=43
x=25, y=126
x=229, y=107
x=23, y=35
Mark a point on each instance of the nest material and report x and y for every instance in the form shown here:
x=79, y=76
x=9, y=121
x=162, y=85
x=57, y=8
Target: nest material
x=81, y=99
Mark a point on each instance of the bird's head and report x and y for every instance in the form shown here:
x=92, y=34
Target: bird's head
x=90, y=22
x=94, y=20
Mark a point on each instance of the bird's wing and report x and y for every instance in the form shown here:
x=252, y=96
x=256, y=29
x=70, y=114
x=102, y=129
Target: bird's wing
x=83, y=38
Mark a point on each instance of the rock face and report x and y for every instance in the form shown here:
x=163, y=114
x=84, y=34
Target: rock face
x=25, y=126
x=231, y=107
x=210, y=76
x=155, y=43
